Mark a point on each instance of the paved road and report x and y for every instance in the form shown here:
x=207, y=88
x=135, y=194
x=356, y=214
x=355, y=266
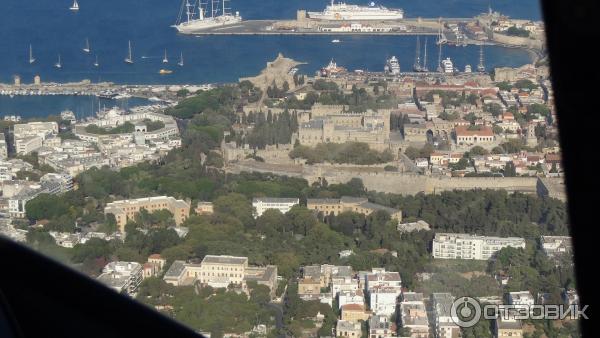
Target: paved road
x=278, y=317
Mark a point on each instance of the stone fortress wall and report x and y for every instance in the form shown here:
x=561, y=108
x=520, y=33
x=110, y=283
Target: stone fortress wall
x=405, y=183
x=410, y=184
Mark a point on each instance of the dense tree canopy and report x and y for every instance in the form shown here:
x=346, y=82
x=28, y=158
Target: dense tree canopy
x=351, y=152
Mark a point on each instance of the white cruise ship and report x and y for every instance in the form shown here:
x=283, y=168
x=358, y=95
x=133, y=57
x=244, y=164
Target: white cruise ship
x=343, y=12
x=392, y=66
x=218, y=15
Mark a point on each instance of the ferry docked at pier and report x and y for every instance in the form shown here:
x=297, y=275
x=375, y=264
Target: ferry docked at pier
x=218, y=15
x=345, y=12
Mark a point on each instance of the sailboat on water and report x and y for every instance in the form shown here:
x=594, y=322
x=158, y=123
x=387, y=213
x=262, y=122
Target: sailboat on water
x=129, y=58
x=87, y=46
x=31, y=58
x=424, y=67
x=58, y=64
x=75, y=6
x=165, y=59
x=180, y=63
x=96, y=64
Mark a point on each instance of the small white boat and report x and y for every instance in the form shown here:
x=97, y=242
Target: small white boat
x=335, y=41
x=75, y=6
x=31, y=58
x=87, y=46
x=165, y=59
x=129, y=58
x=122, y=96
x=96, y=64
x=180, y=63
x=58, y=64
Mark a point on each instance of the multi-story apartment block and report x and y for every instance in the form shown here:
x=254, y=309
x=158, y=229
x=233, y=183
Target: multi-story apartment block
x=41, y=129
x=380, y=277
x=63, y=182
x=27, y=144
x=3, y=147
x=383, y=300
x=348, y=329
x=49, y=184
x=445, y=327
x=354, y=313
x=464, y=246
x=381, y=326
x=264, y=276
x=383, y=289
x=351, y=297
x=125, y=210
x=413, y=315
x=123, y=277
x=354, y=204
x=262, y=204
x=30, y=136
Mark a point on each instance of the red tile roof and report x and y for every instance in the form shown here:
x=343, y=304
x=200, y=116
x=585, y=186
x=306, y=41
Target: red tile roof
x=353, y=307
x=464, y=131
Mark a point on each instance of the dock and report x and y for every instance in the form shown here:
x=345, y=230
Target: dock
x=327, y=28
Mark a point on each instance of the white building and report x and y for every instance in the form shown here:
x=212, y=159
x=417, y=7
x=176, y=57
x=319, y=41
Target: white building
x=123, y=277
x=41, y=129
x=63, y=182
x=380, y=277
x=556, y=245
x=26, y=145
x=445, y=327
x=262, y=204
x=3, y=148
x=17, y=203
x=30, y=136
x=214, y=271
x=464, y=246
x=383, y=300
x=65, y=239
x=351, y=297
x=521, y=299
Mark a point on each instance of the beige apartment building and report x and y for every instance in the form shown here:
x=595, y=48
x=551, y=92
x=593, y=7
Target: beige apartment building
x=220, y=271
x=354, y=204
x=125, y=210
x=355, y=313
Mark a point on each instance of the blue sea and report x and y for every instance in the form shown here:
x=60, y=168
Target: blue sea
x=53, y=29
x=41, y=106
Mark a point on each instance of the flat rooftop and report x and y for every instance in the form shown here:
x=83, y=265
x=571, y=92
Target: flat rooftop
x=210, y=259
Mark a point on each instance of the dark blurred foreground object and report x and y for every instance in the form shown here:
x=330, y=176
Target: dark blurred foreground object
x=42, y=298
x=573, y=30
